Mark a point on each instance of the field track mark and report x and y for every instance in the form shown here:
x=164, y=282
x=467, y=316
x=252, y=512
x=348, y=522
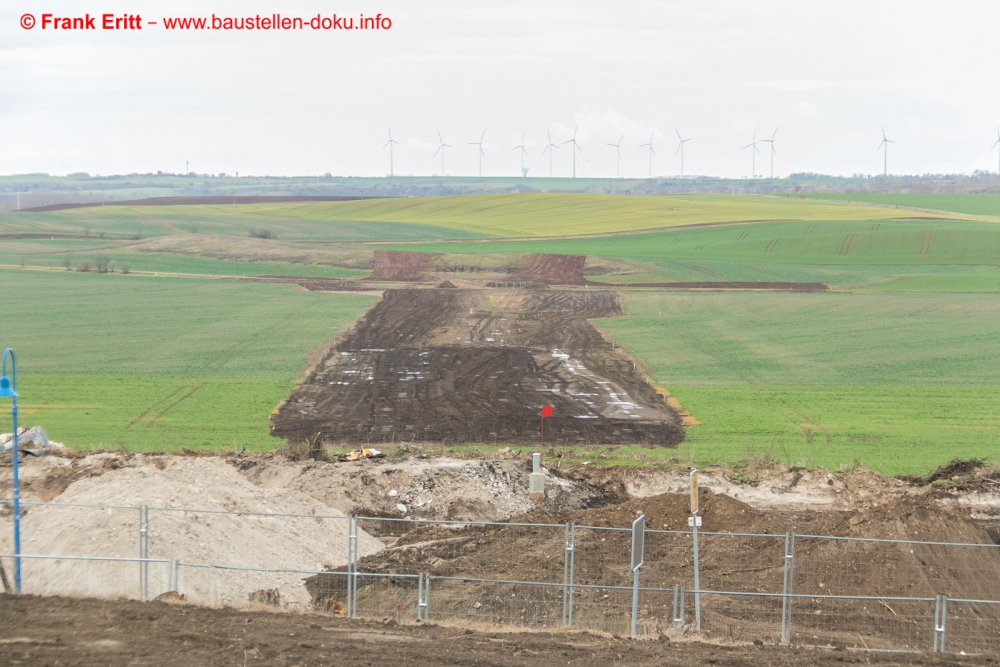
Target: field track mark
x=158, y=417
x=742, y=236
x=847, y=250
x=218, y=360
x=925, y=243
x=810, y=230
x=771, y=245
x=875, y=226
x=845, y=245
x=153, y=406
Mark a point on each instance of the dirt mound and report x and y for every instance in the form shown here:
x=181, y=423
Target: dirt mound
x=391, y=265
x=446, y=285
x=437, y=488
x=206, y=483
x=464, y=366
x=554, y=269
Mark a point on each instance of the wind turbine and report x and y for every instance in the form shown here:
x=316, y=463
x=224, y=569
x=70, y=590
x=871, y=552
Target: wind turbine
x=550, y=148
x=618, y=150
x=771, y=141
x=886, y=142
x=481, y=153
x=995, y=145
x=651, y=152
x=575, y=146
x=524, y=151
x=441, y=150
x=389, y=144
x=583, y=167
x=680, y=148
x=753, y=155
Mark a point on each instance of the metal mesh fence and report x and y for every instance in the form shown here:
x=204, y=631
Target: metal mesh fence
x=866, y=594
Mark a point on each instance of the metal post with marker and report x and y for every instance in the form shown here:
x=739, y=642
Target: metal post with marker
x=638, y=558
x=694, y=521
x=8, y=389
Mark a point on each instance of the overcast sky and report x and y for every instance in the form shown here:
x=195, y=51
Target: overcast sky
x=827, y=75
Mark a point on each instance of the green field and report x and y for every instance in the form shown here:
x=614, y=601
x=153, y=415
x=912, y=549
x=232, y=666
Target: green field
x=840, y=253
x=901, y=382
x=429, y=218
x=160, y=364
x=896, y=367
x=978, y=204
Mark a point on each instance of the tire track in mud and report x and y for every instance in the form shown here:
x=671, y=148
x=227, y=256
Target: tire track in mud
x=466, y=366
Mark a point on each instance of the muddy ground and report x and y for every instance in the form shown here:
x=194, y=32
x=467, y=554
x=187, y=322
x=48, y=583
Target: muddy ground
x=110, y=633
x=474, y=366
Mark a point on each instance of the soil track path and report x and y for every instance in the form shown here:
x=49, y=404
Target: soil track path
x=464, y=366
x=64, y=631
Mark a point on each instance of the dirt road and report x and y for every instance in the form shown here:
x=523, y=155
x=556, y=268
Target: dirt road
x=84, y=632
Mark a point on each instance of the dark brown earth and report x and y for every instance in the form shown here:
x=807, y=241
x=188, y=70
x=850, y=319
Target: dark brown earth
x=472, y=366
x=391, y=265
x=118, y=633
x=768, y=286
x=727, y=563
x=554, y=269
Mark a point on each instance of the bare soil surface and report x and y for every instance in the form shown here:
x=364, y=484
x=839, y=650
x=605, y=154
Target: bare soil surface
x=110, y=633
x=471, y=366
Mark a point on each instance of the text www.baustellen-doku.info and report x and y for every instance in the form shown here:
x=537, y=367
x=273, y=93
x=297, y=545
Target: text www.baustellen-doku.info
x=55, y=22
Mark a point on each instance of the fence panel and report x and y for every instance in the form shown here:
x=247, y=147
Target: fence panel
x=246, y=540
x=972, y=626
x=87, y=576
x=496, y=602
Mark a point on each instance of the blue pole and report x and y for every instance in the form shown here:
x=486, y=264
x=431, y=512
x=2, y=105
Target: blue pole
x=14, y=463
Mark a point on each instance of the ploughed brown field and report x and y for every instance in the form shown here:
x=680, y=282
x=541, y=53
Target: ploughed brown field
x=476, y=366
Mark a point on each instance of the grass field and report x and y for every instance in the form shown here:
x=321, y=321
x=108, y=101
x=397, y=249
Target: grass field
x=978, y=204
x=160, y=364
x=901, y=382
x=429, y=218
x=897, y=368
x=841, y=253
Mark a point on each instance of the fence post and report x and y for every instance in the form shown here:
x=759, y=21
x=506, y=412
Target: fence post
x=940, y=621
x=572, y=565
x=697, y=582
x=352, y=565
x=679, y=594
x=423, y=596
x=568, y=577
x=143, y=551
x=787, y=589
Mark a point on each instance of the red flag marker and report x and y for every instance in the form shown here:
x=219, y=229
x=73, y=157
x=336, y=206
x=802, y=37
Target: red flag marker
x=546, y=412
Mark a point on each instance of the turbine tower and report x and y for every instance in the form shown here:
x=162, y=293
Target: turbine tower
x=440, y=150
x=481, y=153
x=771, y=141
x=575, y=146
x=618, y=151
x=524, y=151
x=651, y=152
x=753, y=155
x=551, y=147
x=680, y=149
x=885, y=143
x=995, y=144
x=389, y=144
x=583, y=167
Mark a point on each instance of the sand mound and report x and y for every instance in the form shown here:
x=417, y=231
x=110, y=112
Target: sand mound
x=253, y=540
